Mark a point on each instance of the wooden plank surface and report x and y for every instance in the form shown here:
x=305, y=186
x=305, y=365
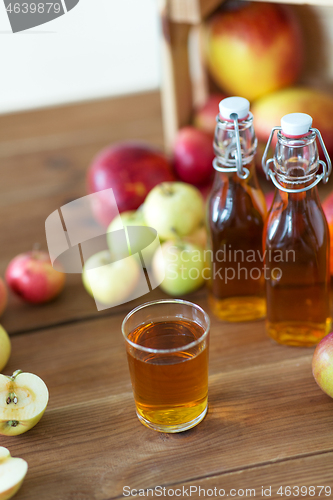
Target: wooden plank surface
x=264, y=406
x=44, y=157
x=268, y=423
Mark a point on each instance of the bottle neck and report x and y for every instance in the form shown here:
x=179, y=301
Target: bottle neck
x=296, y=161
x=226, y=146
x=231, y=177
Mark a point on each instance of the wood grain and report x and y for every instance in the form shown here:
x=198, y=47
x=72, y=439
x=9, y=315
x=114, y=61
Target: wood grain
x=268, y=422
x=264, y=407
x=306, y=471
x=44, y=157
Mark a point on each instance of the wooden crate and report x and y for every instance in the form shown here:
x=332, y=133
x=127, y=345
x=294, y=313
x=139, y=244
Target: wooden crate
x=182, y=90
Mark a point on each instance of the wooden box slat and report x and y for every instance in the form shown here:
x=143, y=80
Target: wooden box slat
x=182, y=17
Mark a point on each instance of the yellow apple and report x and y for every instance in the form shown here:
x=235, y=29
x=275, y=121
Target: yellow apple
x=23, y=401
x=135, y=241
x=253, y=48
x=110, y=282
x=268, y=110
x=12, y=474
x=174, y=209
x=5, y=348
x=182, y=265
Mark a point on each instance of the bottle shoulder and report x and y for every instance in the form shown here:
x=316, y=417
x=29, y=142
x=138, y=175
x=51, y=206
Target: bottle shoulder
x=237, y=206
x=293, y=221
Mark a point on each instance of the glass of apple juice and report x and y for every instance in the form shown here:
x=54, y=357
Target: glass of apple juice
x=167, y=350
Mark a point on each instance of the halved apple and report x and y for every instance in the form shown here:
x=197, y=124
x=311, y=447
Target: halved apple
x=23, y=401
x=5, y=348
x=12, y=473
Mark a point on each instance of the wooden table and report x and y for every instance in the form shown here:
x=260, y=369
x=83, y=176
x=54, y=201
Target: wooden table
x=268, y=425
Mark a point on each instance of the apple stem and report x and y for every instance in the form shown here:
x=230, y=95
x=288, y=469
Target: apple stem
x=15, y=374
x=167, y=190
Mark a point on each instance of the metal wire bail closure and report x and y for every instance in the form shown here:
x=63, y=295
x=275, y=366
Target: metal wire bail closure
x=242, y=171
x=324, y=176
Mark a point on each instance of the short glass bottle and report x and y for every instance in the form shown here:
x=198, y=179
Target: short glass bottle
x=236, y=213
x=296, y=241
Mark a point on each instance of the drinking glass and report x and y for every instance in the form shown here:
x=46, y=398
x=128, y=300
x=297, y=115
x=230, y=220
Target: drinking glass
x=167, y=350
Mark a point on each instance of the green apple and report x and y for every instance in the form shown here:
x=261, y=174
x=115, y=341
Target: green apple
x=23, y=401
x=110, y=282
x=182, y=265
x=173, y=208
x=5, y=348
x=12, y=474
x=136, y=239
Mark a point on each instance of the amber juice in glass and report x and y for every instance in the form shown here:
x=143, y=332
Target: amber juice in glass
x=167, y=351
x=236, y=215
x=296, y=240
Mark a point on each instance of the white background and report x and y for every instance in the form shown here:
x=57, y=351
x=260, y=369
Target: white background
x=99, y=48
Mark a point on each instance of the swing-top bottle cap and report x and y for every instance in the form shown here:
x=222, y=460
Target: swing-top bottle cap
x=296, y=124
x=238, y=105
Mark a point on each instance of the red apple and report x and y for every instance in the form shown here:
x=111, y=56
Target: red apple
x=31, y=276
x=205, y=116
x=268, y=111
x=193, y=155
x=253, y=48
x=131, y=170
x=322, y=364
x=3, y=296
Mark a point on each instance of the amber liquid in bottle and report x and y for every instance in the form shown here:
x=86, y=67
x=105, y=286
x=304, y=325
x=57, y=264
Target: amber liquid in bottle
x=297, y=254
x=169, y=388
x=236, y=214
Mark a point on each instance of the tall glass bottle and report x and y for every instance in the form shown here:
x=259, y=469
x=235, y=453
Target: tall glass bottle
x=297, y=237
x=236, y=213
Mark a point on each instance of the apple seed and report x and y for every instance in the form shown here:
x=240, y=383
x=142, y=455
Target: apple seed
x=12, y=398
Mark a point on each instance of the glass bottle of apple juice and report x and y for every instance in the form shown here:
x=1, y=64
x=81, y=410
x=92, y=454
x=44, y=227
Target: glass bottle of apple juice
x=297, y=237
x=236, y=213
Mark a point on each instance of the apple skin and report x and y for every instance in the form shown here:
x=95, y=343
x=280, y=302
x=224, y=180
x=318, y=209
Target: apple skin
x=268, y=111
x=328, y=210
x=193, y=155
x=21, y=468
x=205, y=116
x=112, y=284
x=131, y=169
x=174, y=209
x=254, y=48
x=129, y=218
x=322, y=364
x=3, y=297
x=32, y=277
x=183, y=266
x=5, y=348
